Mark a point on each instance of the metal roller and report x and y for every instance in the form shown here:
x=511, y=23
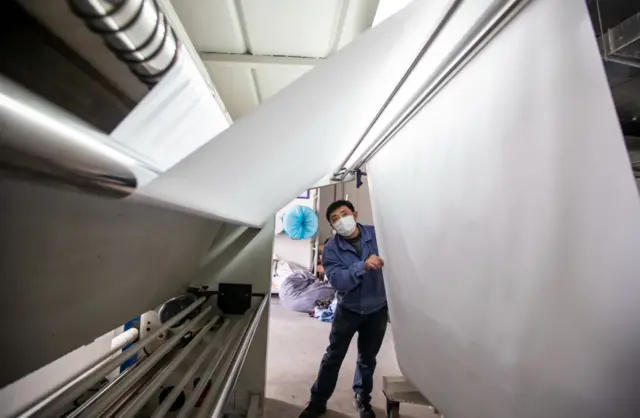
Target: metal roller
x=128, y=394
x=145, y=395
x=166, y=404
x=136, y=31
x=212, y=367
x=64, y=393
x=42, y=142
x=111, y=396
x=214, y=404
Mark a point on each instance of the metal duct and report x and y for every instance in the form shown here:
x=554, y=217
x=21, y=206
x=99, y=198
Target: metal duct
x=136, y=31
x=621, y=44
x=624, y=38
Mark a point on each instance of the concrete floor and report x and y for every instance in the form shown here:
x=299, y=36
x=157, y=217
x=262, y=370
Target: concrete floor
x=296, y=345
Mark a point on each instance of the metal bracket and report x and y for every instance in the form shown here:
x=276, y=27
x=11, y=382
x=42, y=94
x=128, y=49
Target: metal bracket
x=359, y=175
x=335, y=179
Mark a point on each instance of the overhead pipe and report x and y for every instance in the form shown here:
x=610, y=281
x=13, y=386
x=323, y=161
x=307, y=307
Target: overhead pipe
x=488, y=25
x=449, y=10
x=137, y=32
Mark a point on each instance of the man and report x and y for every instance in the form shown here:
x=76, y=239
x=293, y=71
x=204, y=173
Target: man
x=354, y=269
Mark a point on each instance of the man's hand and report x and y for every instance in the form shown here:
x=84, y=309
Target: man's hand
x=373, y=263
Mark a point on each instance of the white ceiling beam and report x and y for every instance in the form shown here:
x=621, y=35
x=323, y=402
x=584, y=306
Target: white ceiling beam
x=257, y=61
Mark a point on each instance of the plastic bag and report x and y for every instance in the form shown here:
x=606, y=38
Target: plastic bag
x=300, y=291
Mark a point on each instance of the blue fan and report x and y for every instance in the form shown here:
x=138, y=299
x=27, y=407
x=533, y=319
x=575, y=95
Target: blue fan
x=300, y=222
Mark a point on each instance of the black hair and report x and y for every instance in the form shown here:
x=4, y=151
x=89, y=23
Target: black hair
x=338, y=204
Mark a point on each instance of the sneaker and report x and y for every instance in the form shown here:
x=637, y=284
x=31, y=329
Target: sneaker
x=364, y=408
x=314, y=410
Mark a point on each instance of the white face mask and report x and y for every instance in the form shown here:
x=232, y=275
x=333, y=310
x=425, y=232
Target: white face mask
x=346, y=226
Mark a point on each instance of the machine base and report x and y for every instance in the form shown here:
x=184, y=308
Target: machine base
x=398, y=390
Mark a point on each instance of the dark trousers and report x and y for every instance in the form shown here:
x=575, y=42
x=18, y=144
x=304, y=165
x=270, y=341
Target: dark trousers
x=370, y=328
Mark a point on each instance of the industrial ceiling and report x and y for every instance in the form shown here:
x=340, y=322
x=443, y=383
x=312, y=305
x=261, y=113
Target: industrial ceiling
x=254, y=48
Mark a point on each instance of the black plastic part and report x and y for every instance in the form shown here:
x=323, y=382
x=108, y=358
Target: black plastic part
x=359, y=175
x=234, y=299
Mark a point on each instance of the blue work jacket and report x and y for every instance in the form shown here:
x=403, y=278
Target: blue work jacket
x=359, y=290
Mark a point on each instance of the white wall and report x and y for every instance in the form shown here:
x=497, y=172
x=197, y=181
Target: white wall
x=328, y=195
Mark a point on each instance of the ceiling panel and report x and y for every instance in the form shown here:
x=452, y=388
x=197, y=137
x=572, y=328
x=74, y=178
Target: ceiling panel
x=360, y=15
x=213, y=25
x=236, y=88
x=254, y=48
x=304, y=28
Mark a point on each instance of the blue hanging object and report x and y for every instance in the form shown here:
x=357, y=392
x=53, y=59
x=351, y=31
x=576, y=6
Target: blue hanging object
x=300, y=222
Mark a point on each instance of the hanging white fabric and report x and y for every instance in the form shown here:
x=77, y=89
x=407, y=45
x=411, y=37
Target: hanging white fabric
x=509, y=222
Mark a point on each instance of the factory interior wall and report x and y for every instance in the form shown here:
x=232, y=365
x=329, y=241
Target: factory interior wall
x=327, y=195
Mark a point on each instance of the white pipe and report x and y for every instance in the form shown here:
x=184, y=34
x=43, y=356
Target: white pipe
x=125, y=338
